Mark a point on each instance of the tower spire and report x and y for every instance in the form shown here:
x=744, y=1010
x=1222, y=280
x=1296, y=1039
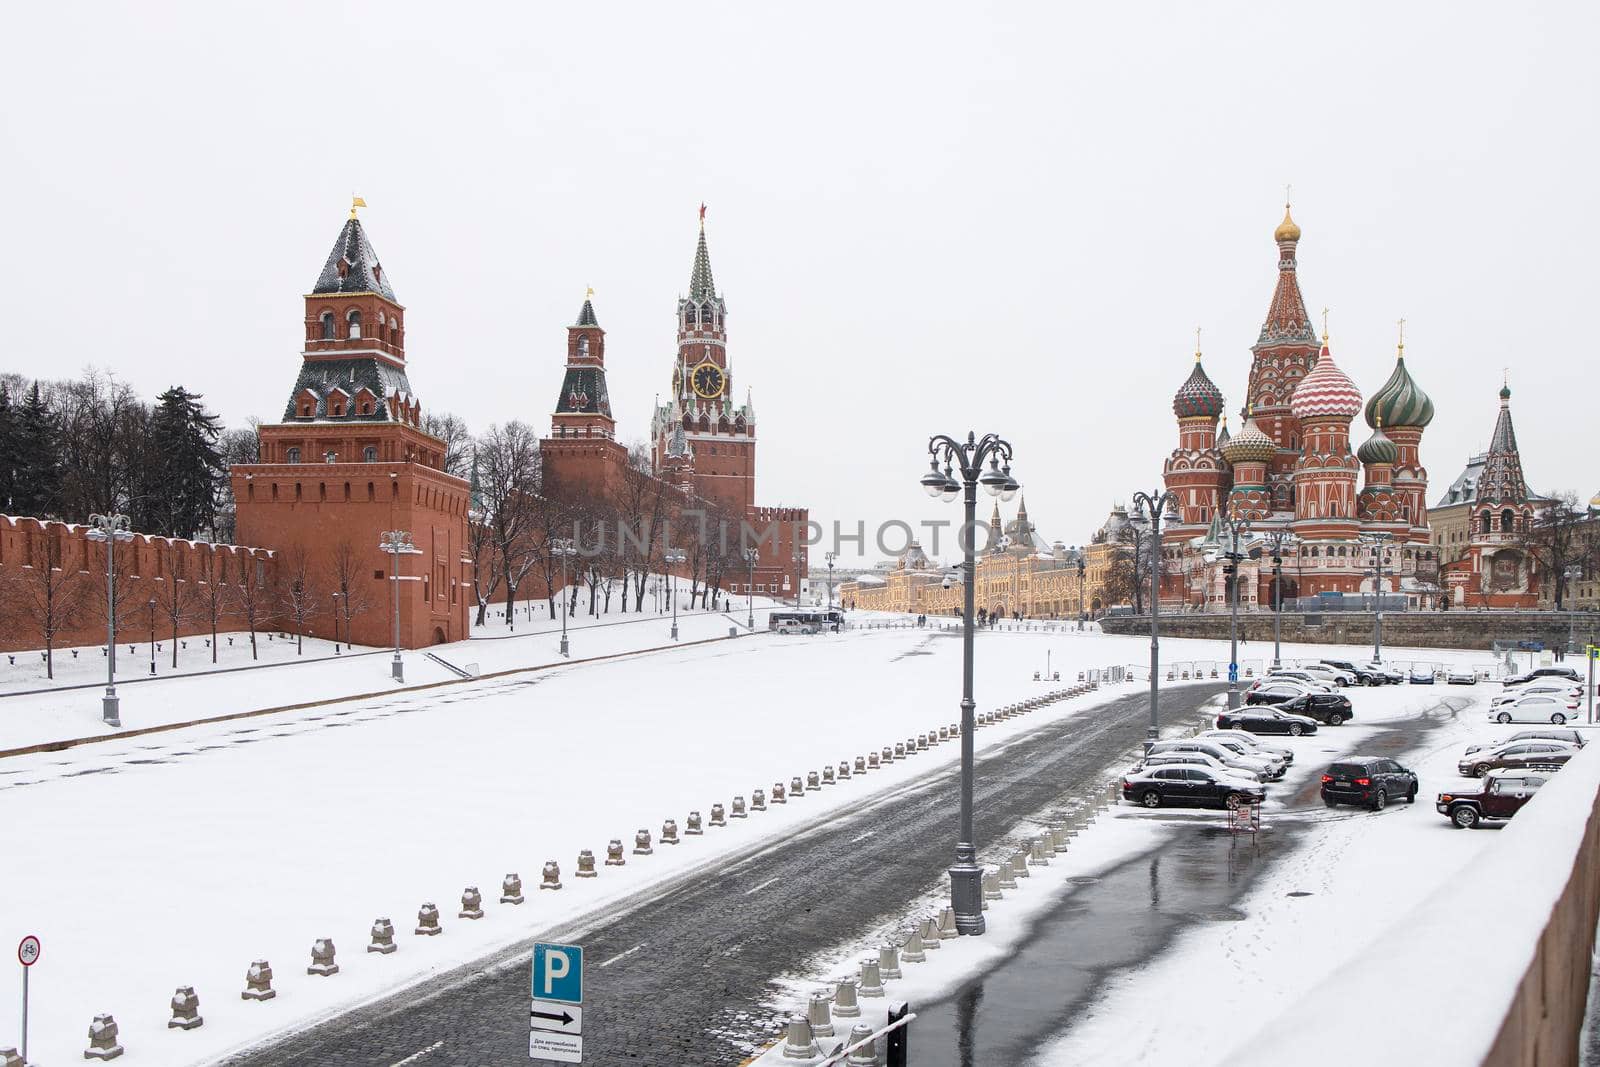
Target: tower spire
x=701, y=286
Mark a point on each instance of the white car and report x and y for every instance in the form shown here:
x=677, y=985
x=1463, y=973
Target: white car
x=1193, y=759
x=1324, y=673
x=1262, y=765
x=1554, y=708
x=1255, y=743
x=1300, y=678
x=1563, y=689
x=1461, y=676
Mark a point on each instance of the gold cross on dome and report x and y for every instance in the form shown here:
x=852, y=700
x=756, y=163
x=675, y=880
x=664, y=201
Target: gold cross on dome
x=1324, y=325
x=1402, y=325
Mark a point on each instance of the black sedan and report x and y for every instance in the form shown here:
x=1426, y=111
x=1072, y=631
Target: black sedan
x=1270, y=692
x=1266, y=720
x=1331, y=708
x=1371, y=781
x=1189, y=787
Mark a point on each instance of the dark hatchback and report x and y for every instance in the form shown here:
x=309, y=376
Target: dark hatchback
x=1331, y=708
x=1371, y=781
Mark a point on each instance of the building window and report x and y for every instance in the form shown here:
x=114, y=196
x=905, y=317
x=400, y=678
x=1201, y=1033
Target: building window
x=327, y=326
x=369, y=454
x=292, y=456
x=330, y=457
x=1508, y=521
x=354, y=319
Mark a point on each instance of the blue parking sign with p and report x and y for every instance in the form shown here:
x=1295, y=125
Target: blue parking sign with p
x=558, y=972
x=1233, y=672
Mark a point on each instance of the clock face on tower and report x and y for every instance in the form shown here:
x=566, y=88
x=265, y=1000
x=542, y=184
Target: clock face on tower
x=708, y=380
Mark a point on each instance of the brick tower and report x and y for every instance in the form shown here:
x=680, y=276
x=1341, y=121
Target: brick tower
x=1283, y=354
x=1195, y=471
x=581, y=455
x=1325, y=475
x=350, y=460
x=1402, y=411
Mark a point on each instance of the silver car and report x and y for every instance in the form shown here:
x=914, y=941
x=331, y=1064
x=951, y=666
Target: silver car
x=1264, y=765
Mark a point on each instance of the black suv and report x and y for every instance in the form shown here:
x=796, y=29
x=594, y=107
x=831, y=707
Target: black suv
x=1330, y=708
x=1569, y=673
x=1369, y=780
x=1362, y=675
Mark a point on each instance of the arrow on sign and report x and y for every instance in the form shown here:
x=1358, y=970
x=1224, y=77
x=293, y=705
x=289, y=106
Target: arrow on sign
x=564, y=1018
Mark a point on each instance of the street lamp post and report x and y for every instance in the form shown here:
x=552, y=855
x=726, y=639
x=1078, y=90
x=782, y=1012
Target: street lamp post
x=1236, y=529
x=1572, y=574
x=1378, y=540
x=564, y=547
x=966, y=898
x=397, y=543
x=673, y=557
x=335, y=597
x=750, y=557
x=1081, y=616
x=831, y=556
x=152, y=635
x=1278, y=541
x=109, y=530
x=1157, y=505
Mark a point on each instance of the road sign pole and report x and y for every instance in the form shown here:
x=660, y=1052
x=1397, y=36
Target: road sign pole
x=24, y=1016
x=27, y=955
x=1593, y=651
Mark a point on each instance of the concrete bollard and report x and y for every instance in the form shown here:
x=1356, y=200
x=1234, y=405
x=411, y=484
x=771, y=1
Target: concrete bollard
x=738, y=811
x=614, y=856
x=899, y=750
x=103, y=1039
x=258, y=982
x=382, y=937
x=777, y=793
x=867, y=1054
x=930, y=934
x=1019, y=860
x=669, y=832
x=10, y=1058
x=185, y=1010
x=911, y=746
x=922, y=742
x=511, y=889
x=1056, y=837
x=798, y=1044
x=912, y=949
x=1041, y=853
x=428, y=921
x=889, y=961
x=322, y=958
x=691, y=825
x=827, y=774
x=955, y=729
x=758, y=800
x=719, y=817
x=472, y=902
x=844, y=1000
x=873, y=761
x=641, y=844
x=944, y=733
x=1005, y=878
x=586, y=864
x=945, y=924
x=871, y=981
x=821, y=1014
x=861, y=764
x=797, y=788
x=549, y=878
x=844, y=768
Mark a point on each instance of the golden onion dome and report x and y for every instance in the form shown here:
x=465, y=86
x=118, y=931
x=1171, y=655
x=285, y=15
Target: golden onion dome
x=1288, y=229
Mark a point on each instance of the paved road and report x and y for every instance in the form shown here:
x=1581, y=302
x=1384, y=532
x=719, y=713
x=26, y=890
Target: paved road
x=682, y=976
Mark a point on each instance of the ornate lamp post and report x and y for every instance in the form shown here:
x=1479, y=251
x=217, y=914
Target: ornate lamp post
x=1157, y=505
x=831, y=556
x=672, y=558
x=1236, y=529
x=110, y=530
x=1278, y=540
x=750, y=557
x=1378, y=540
x=397, y=543
x=335, y=597
x=565, y=548
x=1081, y=615
x=968, y=457
x=152, y=635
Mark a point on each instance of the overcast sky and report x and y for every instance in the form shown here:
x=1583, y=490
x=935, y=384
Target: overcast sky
x=925, y=218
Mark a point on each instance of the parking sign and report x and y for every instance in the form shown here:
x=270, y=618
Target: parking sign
x=558, y=972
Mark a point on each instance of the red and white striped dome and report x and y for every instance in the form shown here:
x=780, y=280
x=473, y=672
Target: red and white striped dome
x=1327, y=392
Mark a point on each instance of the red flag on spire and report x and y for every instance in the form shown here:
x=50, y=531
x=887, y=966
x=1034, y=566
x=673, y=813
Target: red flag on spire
x=702, y=211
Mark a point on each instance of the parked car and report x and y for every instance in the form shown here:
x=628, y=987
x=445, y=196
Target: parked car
x=1255, y=743
x=1369, y=780
x=1461, y=676
x=1541, y=687
x=1421, y=676
x=1193, y=759
x=1570, y=673
x=1390, y=675
x=1362, y=675
x=1266, y=719
x=1501, y=796
x=1516, y=754
x=1275, y=691
x=1264, y=765
x=1537, y=707
x=1330, y=708
x=1189, y=787
x=1305, y=678
x=1572, y=737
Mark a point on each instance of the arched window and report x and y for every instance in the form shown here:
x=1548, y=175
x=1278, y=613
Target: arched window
x=1483, y=522
x=327, y=326
x=369, y=454
x=1508, y=520
x=354, y=319
x=583, y=348
x=292, y=456
x=705, y=315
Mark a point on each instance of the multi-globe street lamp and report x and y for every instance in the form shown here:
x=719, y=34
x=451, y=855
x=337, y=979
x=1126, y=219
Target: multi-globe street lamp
x=967, y=457
x=830, y=557
x=1378, y=540
x=1157, y=506
x=750, y=557
x=564, y=548
x=1235, y=529
x=1277, y=541
x=672, y=558
x=397, y=543
x=110, y=530
x=1081, y=615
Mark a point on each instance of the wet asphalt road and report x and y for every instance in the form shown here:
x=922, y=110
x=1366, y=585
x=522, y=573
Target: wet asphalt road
x=706, y=946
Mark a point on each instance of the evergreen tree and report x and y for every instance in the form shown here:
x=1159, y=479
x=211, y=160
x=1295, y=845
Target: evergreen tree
x=8, y=446
x=36, y=481
x=186, y=463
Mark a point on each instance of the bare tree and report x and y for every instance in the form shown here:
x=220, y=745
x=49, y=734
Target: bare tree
x=254, y=596
x=1555, y=540
x=346, y=565
x=213, y=599
x=123, y=601
x=45, y=596
x=297, y=591
x=642, y=506
x=175, y=597
x=458, y=443
x=509, y=471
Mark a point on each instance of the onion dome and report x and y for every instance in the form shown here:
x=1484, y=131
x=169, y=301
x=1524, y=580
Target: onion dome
x=1199, y=396
x=1288, y=229
x=1223, y=437
x=1594, y=502
x=1505, y=392
x=1379, y=449
x=1400, y=402
x=1249, y=445
x=1326, y=393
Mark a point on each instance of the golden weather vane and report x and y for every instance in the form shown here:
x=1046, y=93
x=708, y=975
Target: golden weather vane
x=355, y=202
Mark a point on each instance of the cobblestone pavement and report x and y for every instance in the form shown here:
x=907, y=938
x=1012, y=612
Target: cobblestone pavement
x=682, y=975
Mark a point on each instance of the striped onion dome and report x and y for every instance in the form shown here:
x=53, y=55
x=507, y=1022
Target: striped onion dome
x=1379, y=449
x=1198, y=396
x=1327, y=392
x=1400, y=402
x=1249, y=445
